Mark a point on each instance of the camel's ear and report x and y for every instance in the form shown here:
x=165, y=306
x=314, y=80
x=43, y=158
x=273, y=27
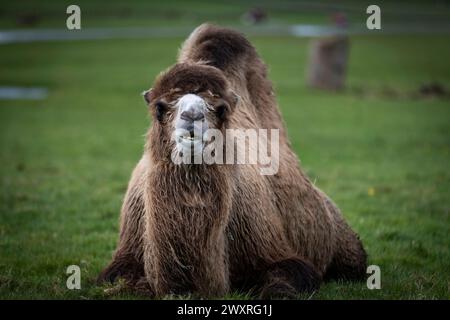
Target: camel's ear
x=234, y=99
x=146, y=95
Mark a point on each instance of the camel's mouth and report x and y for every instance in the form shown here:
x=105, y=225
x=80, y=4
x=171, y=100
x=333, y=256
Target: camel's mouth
x=189, y=136
x=190, y=142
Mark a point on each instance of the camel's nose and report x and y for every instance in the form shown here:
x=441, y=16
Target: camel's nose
x=192, y=114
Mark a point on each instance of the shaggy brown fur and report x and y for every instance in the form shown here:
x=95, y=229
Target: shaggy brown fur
x=208, y=229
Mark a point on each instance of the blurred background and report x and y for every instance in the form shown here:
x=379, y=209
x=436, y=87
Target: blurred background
x=367, y=112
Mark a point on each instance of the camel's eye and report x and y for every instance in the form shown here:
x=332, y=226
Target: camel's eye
x=221, y=111
x=160, y=110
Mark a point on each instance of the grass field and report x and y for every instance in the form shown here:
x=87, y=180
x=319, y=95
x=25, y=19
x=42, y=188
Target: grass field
x=27, y=14
x=379, y=149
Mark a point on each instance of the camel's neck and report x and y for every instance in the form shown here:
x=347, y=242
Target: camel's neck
x=186, y=188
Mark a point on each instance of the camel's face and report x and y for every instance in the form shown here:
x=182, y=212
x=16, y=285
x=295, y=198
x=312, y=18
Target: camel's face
x=186, y=103
x=190, y=123
x=195, y=115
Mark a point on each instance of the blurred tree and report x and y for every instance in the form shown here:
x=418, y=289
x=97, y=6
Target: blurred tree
x=329, y=56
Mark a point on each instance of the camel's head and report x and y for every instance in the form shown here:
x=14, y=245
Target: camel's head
x=187, y=103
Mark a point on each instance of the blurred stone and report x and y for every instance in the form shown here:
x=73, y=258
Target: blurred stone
x=339, y=19
x=432, y=89
x=28, y=19
x=328, y=63
x=255, y=16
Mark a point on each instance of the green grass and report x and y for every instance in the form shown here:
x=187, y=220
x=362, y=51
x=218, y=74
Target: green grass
x=65, y=161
